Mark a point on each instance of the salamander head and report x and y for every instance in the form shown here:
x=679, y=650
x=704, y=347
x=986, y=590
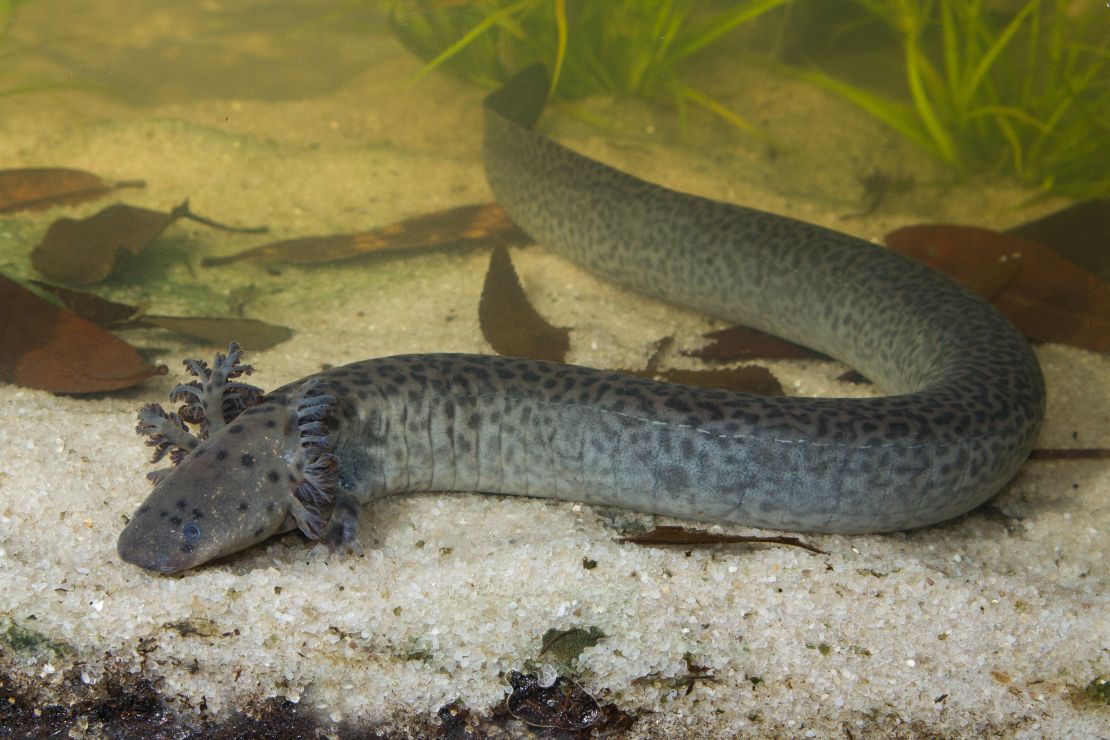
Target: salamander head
x=232, y=491
x=251, y=479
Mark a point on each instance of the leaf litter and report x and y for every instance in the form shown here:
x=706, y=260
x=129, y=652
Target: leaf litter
x=82, y=251
x=53, y=349
x=38, y=188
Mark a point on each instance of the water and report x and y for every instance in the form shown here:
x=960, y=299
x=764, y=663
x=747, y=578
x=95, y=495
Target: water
x=310, y=119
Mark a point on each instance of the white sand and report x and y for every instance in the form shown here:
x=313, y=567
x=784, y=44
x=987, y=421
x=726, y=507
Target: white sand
x=991, y=624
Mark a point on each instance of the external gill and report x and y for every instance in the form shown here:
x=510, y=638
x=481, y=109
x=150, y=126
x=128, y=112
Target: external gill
x=168, y=432
x=216, y=398
x=314, y=461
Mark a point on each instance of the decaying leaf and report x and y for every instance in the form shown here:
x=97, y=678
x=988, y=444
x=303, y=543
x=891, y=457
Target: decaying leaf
x=741, y=343
x=684, y=537
x=750, y=379
x=563, y=705
x=1047, y=297
x=36, y=188
x=514, y=328
x=509, y=322
x=47, y=347
x=250, y=333
x=1079, y=233
x=86, y=250
x=479, y=225
x=104, y=313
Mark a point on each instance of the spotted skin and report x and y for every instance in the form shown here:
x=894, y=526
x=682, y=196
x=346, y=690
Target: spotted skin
x=229, y=493
x=968, y=396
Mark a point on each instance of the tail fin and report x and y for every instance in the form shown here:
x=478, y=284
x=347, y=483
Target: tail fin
x=521, y=99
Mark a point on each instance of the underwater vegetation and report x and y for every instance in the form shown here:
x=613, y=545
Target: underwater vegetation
x=1017, y=89
x=1022, y=92
x=635, y=48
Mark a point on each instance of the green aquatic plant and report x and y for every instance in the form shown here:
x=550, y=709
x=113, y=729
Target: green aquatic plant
x=637, y=48
x=1024, y=93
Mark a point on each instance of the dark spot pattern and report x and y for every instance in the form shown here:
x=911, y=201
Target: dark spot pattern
x=968, y=396
x=966, y=403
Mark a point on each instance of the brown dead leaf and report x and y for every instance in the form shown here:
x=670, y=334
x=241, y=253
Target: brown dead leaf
x=36, y=188
x=86, y=250
x=509, y=322
x=1047, y=297
x=104, y=313
x=83, y=251
x=1080, y=233
x=47, y=347
x=975, y=257
x=250, y=333
x=741, y=343
x=750, y=379
x=514, y=328
x=478, y=225
x=669, y=535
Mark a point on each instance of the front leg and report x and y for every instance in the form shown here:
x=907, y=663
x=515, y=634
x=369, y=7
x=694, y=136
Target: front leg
x=341, y=534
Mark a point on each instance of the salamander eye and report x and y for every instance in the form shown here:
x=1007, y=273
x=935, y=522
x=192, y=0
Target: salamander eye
x=192, y=533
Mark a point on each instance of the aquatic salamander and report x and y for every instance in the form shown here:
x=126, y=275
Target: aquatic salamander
x=968, y=395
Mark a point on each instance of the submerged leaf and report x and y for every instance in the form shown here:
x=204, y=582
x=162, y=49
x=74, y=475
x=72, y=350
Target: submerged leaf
x=36, y=188
x=47, y=347
x=749, y=379
x=252, y=334
x=100, y=311
x=1047, y=297
x=464, y=226
x=743, y=343
x=509, y=322
x=1080, y=233
x=214, y=330
x=86, y=250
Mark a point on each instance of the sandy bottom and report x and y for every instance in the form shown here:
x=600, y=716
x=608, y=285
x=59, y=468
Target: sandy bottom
x=992, y=624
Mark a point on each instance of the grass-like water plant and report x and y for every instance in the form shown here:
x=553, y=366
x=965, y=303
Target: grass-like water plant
x=618, y=47
x=1025, y=93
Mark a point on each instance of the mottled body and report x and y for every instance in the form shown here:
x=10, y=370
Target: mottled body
x=969, y=396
